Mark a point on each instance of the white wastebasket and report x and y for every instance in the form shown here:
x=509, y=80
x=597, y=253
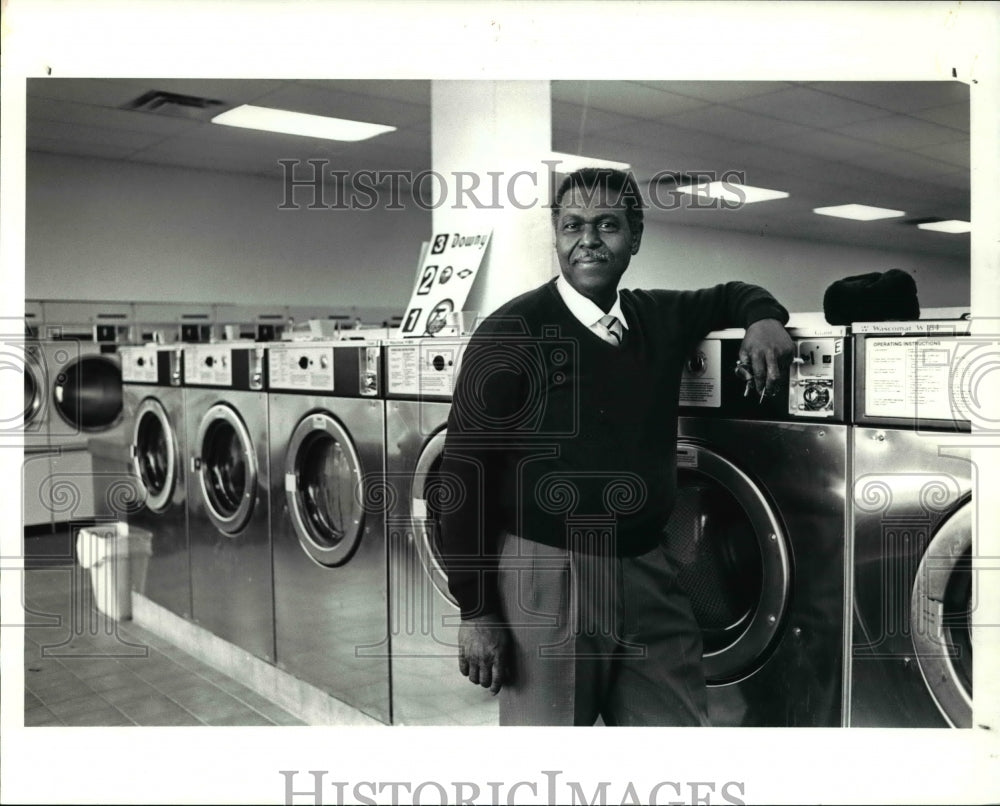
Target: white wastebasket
x=114, y=554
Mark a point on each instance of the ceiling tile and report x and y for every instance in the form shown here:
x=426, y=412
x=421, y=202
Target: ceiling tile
x=903, y=163
x=899, y=96
x=736, y=124
x=951, y=153
x=568, y=118
x=95, y=91
x=954, y=116
x=313, y=101
x=646, y=101
x=722, y=91
x=828, y=146
x=415, y=91
x=46, y=109
x=809, y=108
x=958, y=180
x=53, y=130
x=82, y=149
x=901, y=131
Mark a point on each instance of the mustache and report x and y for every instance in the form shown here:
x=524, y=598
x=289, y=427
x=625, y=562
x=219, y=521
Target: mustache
x=590, y=254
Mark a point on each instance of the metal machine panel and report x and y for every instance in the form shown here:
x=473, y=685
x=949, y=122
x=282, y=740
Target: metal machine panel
x=157, y=434
x=427, y=688
x=228, y=516
x=758, y=537
x=327, y=460
x=911, y=658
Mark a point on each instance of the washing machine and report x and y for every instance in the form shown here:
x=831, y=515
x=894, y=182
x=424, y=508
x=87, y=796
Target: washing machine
x=225, y=415
x=155, y=424
x=759, y=530
x=327, y=460
x=427, y=688
x=911, y=640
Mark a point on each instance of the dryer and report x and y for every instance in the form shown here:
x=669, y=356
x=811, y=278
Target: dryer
x=157, y=440
x=427, y=688
x=80, y=348
x=911, y=639
x=22, y=349
x=327, y=463
x=232, y=592
x=759, y=530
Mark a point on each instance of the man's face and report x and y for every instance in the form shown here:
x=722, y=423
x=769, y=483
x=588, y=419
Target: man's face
x=594, y=243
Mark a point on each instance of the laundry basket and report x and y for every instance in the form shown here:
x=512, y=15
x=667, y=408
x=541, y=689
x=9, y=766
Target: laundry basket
x=116, y=556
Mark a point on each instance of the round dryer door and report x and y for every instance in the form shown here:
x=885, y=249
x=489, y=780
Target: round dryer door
x=323, y=487
x=227, y=468
x=154, y=453
x=428, y=493
x=733, y=560
x=88, y=393
x=940, y=617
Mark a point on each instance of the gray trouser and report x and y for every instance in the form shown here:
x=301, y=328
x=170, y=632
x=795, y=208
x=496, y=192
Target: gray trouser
x=596, y=635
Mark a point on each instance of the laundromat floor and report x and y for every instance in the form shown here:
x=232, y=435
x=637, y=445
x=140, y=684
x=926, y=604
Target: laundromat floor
x=83, y=669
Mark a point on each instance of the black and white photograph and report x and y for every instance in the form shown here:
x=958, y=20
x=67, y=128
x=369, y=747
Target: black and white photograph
x=408, y=387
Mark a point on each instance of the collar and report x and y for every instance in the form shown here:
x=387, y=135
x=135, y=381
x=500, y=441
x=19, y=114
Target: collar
x=585, y=310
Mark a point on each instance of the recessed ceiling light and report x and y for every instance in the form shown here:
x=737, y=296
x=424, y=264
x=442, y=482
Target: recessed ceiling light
x=952, y=225
x=734, y=192
x=285, y=122
x=573, y=162
x=859, y=212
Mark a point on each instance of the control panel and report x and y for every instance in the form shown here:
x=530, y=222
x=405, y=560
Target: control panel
x=302, y=367
x=139, y=364
x=716, y=381
x=425, y=368
x=208, y=365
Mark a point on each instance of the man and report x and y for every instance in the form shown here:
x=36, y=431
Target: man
x=561, y=454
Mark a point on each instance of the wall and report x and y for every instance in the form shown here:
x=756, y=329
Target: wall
x=99, y=229
x=795, y=271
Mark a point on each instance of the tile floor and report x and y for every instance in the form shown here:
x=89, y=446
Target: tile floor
x=83, y=669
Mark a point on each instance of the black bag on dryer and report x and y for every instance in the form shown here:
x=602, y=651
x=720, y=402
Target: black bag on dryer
x=873, y=297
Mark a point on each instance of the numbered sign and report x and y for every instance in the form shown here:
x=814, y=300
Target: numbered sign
x=444, y=280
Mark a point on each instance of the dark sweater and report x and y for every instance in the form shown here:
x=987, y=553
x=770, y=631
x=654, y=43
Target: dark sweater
x=552, y=430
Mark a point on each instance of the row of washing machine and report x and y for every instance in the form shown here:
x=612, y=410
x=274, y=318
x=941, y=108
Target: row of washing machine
x=824, y=536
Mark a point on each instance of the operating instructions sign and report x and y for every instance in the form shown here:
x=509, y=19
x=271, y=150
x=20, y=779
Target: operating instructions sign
x=916, y=377
x=444, y=280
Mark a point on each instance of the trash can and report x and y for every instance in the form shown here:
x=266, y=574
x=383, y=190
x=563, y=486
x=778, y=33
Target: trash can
x=115, y=555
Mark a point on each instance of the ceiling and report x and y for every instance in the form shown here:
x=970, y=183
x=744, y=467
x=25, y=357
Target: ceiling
x=902, y=145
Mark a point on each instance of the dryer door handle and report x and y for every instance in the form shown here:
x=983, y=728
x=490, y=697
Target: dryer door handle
x=195, y=464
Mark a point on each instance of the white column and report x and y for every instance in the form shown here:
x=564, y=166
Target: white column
x=482, y=134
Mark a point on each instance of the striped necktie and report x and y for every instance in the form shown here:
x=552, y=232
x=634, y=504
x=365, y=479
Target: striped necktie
x=610, y=330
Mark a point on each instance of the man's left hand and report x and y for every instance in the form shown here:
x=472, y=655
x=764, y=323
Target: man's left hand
x=766, y=351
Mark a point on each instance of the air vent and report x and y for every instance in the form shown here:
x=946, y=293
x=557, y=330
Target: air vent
x=174, y=104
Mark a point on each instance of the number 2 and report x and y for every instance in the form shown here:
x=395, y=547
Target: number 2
x=427, y=280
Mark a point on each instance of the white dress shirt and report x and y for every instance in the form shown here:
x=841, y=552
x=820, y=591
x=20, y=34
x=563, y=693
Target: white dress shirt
x=587, y=311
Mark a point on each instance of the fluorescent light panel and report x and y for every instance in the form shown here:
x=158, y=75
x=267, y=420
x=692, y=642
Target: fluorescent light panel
x=573, y=162
x=859, y=212
x=952, y=225
x=734, y=192
x=285, y=122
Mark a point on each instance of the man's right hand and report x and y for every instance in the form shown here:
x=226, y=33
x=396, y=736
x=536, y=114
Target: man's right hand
x=484, y=651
